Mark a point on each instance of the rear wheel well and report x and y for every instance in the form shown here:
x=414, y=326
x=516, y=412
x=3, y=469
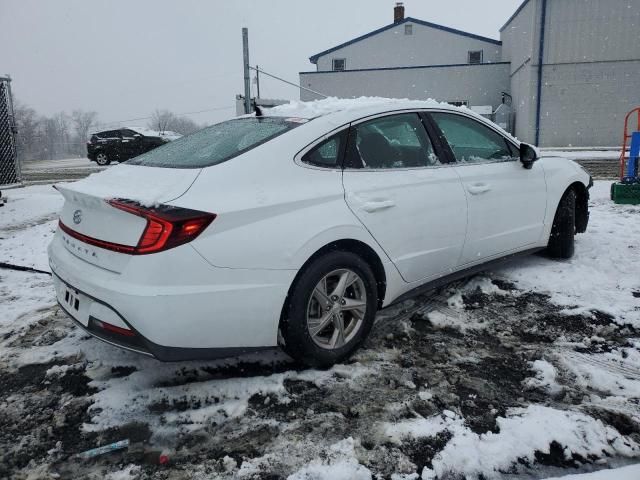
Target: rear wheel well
x=582, y=206
x=357, y=247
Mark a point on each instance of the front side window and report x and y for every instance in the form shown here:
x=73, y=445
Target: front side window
x=327, y=153
x=397, y=141
x=471, y=141
x=128, y=134
x=216, y=144
x=339, y=64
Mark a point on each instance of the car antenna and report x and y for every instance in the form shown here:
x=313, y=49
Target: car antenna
x=258, y=110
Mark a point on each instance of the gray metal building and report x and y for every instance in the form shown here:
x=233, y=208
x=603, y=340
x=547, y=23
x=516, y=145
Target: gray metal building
x=572, y=68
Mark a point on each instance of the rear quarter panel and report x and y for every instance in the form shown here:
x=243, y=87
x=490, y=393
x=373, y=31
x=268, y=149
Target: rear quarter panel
x=271, y=212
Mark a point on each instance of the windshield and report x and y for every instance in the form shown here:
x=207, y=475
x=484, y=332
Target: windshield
x=215, y=144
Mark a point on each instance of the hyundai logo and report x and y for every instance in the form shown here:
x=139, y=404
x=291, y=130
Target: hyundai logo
x=77, y=216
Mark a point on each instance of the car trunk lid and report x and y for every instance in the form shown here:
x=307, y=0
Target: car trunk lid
x=87, y=212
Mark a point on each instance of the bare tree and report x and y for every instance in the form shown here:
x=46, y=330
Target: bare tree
x=64, y=139
x=52, y=138
x=162, y=120
x=83, y=122
x=184, y=126
x=28, y=126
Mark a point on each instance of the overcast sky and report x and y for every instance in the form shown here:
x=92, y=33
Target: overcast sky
x=125, y=58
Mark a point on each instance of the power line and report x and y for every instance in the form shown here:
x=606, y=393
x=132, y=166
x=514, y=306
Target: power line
x=259, y=70
x=151, y=116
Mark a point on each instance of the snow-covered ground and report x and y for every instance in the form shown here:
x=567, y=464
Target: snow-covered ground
x=529, y=371
x=63, y=163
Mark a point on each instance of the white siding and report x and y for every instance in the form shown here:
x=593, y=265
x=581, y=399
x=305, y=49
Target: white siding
x=519, y=46
x=591, y=71
x=585, y=104
x=478, y=84
x=427, y=46
x=592, y=31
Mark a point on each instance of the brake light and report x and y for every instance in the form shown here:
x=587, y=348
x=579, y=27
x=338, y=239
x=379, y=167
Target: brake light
x=167, y=227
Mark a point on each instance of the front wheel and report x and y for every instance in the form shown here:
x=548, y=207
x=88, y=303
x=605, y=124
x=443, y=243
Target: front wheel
x=562, y=239
x=102, y=159
x=330, y=310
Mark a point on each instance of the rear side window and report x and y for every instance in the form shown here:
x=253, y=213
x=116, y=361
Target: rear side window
x=327, y=154
x=110, y=134
x=216, y=144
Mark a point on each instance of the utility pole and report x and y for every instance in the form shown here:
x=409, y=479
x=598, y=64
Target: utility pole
x=247, y=79
x=258, y=80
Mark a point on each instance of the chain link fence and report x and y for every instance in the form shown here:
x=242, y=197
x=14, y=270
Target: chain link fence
x=9, y=166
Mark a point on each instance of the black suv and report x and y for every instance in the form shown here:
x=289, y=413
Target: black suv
x=122, y=144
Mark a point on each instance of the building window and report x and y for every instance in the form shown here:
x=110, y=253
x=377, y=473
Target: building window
x=339, y=64
x=475, y=57
x=408, y=29
x=459, y=103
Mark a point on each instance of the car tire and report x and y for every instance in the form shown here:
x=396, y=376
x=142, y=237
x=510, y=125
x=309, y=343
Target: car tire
x=315, y=299
x=562, y=239
x=102, y=159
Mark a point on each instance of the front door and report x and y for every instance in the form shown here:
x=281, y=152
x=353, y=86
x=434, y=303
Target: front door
x=506, y=202
x=413, y=204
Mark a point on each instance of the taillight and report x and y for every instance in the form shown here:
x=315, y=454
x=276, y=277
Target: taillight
x=167, y=226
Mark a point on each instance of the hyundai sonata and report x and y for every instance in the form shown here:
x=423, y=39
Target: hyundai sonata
x=294, y=229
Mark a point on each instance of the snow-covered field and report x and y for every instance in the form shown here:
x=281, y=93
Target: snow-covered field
x=529, y=371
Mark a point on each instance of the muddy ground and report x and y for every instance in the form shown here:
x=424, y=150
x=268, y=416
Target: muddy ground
x=463, y=349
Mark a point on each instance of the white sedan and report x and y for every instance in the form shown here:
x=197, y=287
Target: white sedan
x=293, y=230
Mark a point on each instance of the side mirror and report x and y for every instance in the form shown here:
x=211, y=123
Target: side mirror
x=528, y=155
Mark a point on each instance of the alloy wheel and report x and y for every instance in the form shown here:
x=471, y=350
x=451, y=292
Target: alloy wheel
x=336, y=309
x=101, y=159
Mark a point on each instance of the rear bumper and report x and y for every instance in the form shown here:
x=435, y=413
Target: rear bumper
x=176, y=306
x=138, y=343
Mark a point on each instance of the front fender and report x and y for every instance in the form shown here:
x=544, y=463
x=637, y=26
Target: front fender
x=560, y=174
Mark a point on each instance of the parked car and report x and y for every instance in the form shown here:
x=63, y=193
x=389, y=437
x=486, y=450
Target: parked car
x=265, y=231
x=124, y=143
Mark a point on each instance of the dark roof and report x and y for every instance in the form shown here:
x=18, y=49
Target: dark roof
x=314, y=58
x=515, y=14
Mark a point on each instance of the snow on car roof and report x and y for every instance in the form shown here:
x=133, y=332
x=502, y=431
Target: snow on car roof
x=147, y=132
x=326, y=106
x=333, y=106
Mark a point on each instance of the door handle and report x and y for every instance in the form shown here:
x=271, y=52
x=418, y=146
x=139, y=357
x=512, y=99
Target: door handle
x=377, y=205
x=478, y=188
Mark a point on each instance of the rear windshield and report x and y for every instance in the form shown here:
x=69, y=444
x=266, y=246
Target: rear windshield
x=216, y=144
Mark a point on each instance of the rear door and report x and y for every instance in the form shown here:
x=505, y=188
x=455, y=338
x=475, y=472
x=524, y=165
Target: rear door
x=398, y=184
x=112, y=144
x=506, y=202
x=130, y=144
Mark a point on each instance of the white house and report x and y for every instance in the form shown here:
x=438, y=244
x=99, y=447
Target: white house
x=572, y=68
